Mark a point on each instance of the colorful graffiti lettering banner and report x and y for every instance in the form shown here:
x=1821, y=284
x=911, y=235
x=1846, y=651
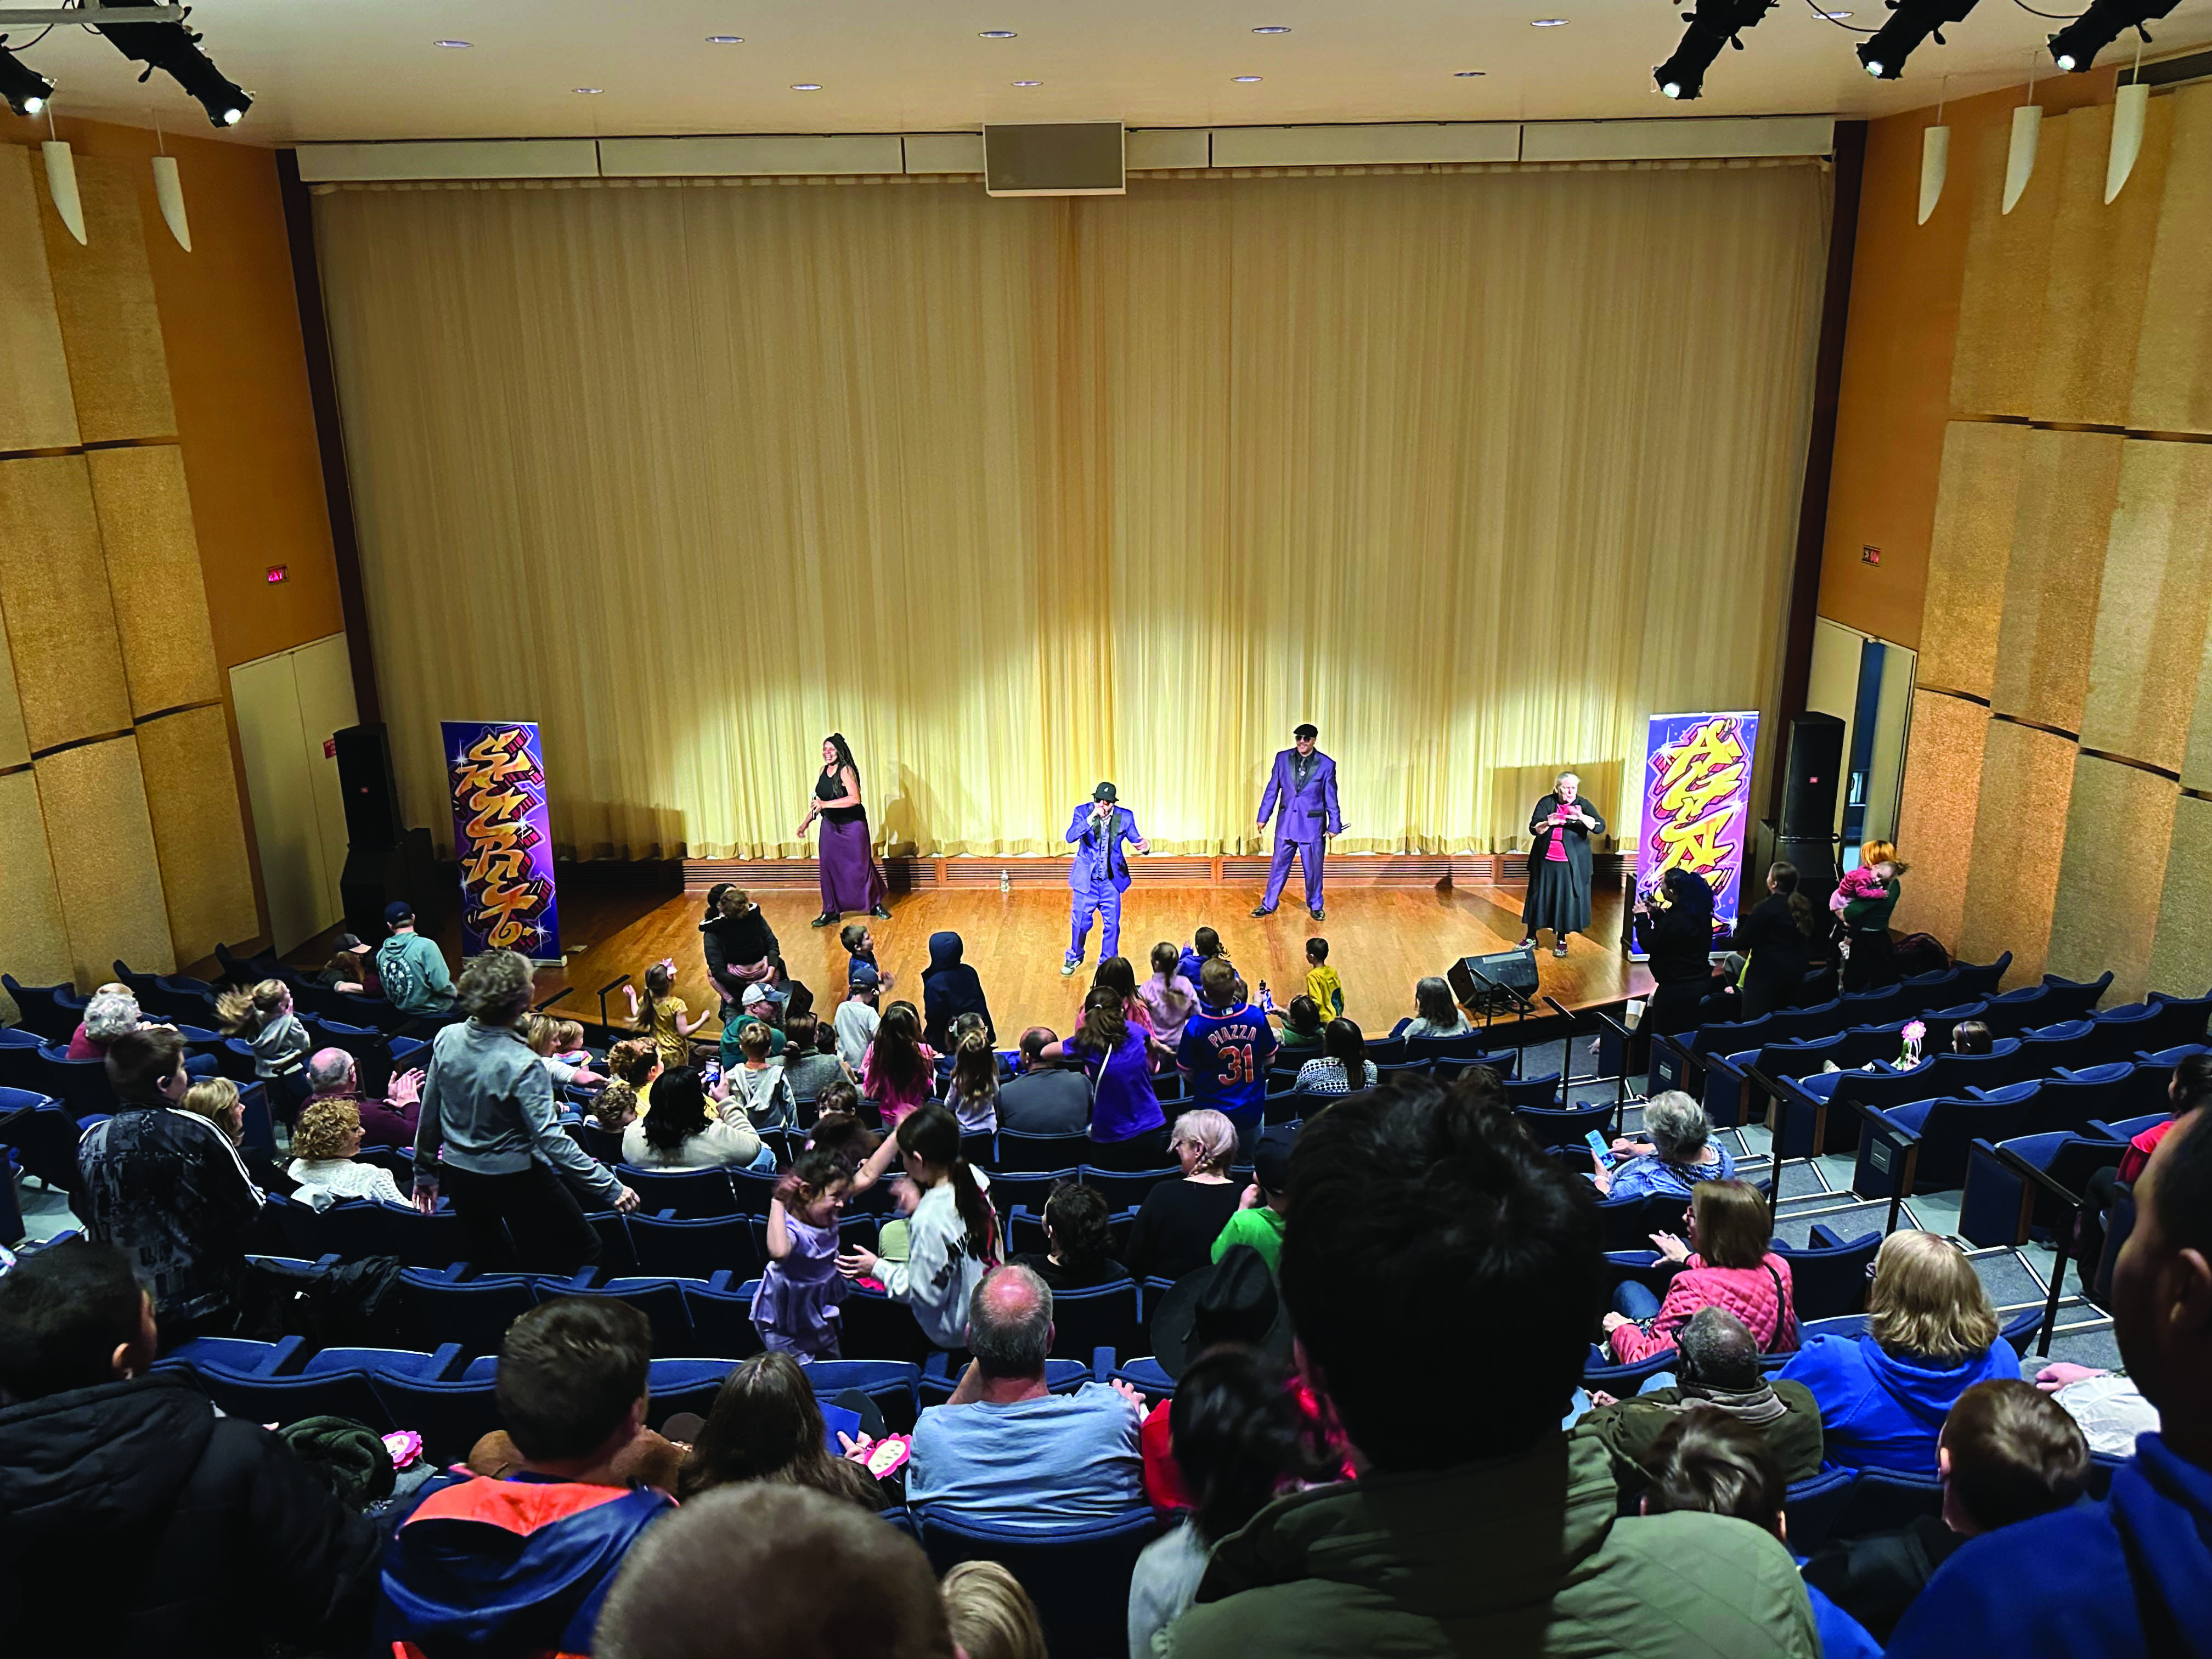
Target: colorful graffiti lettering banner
x=503, y=838
x=1697, y=802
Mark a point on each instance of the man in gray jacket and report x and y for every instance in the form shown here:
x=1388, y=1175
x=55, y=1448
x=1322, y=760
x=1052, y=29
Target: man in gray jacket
x=511, y=1170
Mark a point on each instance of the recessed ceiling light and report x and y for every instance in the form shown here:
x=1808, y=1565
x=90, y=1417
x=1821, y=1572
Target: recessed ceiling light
x=453, y=44
x=1272, y=28
x=1468, y=74
x=806, y=85
x=726, y=39
x=593, y=92
x=1547, y=22
x=1835, y=16
x=1246, y=78
x=998, y=34
x=1029, y=83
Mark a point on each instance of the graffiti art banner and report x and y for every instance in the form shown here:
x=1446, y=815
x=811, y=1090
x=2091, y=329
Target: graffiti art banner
x=503, y=838
x=1697, y=802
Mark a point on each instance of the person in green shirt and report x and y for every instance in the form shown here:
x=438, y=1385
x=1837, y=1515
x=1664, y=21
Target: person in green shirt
x=412, y=968
x=753, y=1012
x=1259, y=1222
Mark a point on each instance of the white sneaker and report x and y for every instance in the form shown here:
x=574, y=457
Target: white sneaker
x=1067, y=969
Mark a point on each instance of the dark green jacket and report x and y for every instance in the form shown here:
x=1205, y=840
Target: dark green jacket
x=1629, y=1427
x=1523, y=1556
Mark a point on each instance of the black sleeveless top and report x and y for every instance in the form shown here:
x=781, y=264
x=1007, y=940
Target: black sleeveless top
x=826, y=788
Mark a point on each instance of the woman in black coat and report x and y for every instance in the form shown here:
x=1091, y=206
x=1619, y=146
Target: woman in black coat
x=1679, y=937
x=1776, y=941
x=1559, y=864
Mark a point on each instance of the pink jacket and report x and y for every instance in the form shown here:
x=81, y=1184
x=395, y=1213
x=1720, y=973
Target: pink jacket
x=1747, y=1293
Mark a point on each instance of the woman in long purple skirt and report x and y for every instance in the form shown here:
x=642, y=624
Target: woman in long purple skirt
x=850, y=879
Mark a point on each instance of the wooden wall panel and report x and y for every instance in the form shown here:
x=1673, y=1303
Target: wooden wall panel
x=36, y=408
x=1942, y=786
x=104, y=294
x=2181, y=955
x=14, y=744
x=101, y=839
x=2153, y=604
x=2020, y=836
x=54, y=598
x=153, y=576
x=192, y=794
x=34, y=944
x=2069, y=482
x=2119, y=820
x=2093, y=305
x=1994, y=363
x=1970, y=554
x=2172, y=390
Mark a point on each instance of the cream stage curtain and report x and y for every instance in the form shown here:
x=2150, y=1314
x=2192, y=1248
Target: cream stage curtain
x=1473, y=471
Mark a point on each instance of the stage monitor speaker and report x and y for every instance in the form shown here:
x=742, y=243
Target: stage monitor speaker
x=1816, y=765
x=374, y=876
x=372, y=795
x=1479, y=981
x=1053, y=158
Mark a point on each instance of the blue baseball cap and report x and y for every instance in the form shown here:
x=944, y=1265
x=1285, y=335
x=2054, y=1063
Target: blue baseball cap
x=397, y=911
x=863, y=976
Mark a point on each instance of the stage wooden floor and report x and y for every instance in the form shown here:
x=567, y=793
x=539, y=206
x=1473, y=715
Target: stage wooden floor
x=1381, y=940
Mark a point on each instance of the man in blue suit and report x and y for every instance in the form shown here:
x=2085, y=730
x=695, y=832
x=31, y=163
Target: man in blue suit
x=1303, y=784
x=1100, y=873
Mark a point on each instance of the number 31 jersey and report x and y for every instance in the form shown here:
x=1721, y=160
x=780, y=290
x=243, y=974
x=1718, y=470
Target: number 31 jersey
x=1226, y=1056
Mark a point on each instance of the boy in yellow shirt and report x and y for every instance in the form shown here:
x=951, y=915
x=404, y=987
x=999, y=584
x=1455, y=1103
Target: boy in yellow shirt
x=1323, y=985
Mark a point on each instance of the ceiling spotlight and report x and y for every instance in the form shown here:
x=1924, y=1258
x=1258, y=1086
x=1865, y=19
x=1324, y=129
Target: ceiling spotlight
x=175, y=50
x=590, y=92
x=2075, y=47
x=21, y=88
x=998, y=34
x=806, y=85
x=1272, y=28
x=1547, y=22
x=1029, y=83
x=1910, y=22
x=726, y=39
x=1245, y=80
x=1468, y=74
x=453, y=46
x=1714, y=24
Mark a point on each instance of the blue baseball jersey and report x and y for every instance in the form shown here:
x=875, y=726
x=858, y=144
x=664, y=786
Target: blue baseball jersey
x=1226, y=1055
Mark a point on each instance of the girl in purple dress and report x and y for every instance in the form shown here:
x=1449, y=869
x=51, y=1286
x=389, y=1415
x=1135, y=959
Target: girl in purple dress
x=851, y=879
x=795, y=1310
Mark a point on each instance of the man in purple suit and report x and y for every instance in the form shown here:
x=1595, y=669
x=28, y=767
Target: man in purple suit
x=1303, y=783
x=1099, y=874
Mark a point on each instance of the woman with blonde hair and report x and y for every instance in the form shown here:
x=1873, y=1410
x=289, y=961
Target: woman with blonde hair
x=1931, y=1334
x=324, y=1143
x=1179, y=1220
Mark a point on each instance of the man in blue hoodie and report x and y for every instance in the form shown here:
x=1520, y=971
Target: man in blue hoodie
x=2133, y=1575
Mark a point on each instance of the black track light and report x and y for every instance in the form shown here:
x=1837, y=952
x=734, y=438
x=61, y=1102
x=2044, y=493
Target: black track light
x=1714, y=24
x=21, y=88
x=175, y=50
x=1910, y=22
x=2075, y=47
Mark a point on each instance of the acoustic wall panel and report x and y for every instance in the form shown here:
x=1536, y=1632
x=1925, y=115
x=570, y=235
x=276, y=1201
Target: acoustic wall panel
x=1943, y=787
x=2118, y=821
x=53, y=600
x=2069, y=482
x=2019, y=817
x=104, y=296
x=2092, y=304
x=36, y=945
x=1993, y=363
x=2172, y=390
x=153, y=576
x=100, y=837
x=2181, y=955
x=14, y=745
x=2152, y=606
x=191, y=796
x=36, y=410
x=1969, y=553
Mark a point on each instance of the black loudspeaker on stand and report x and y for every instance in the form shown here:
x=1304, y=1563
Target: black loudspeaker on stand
x=1501, y=981
x=383, y=861
x=1808, y=803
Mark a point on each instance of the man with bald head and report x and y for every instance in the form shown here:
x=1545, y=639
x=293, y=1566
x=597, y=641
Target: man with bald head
x=1003, y=1451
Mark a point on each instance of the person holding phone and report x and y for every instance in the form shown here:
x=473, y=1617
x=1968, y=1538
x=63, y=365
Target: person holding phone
x=1559, y=864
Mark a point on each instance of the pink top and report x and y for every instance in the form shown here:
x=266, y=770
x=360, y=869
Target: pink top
x=1557, y=852
x=896, y=1103
x=1749, y=1293
x=81, y=1046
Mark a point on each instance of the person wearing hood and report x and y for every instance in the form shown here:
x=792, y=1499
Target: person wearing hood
x=1932, y=1335
x=133, y=1519
x=950, y=988
x=2132, y=1575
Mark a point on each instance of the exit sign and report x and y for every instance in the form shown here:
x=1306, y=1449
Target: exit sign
x=278, y=573
x=1866, y=555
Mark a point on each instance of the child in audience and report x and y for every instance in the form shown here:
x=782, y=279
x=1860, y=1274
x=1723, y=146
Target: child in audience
x=1259, y=1218
x=1864, y=882
x=569, y=1043
x=972, y=1091
x=840, y=1132
x=1079, y=1241
x=542, y=1034
x=1204, y=947
x=899, y=1070
x=281, y=1045
x=857, y=1019
x=1302, y=1026
x=860, y=946
x=1322, y=984
x=810, y=1061
x=614, y=1108
x=757, y=1086
x=1435, y=1013
x=1170, y=995
x=991, y=1615
x=795, y=1310
x=660, y=1017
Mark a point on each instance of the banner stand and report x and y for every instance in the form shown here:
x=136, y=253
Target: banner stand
x=502, y=839
x=1697, y=804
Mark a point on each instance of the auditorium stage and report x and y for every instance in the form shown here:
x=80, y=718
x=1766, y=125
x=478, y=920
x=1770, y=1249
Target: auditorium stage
x=618, y=919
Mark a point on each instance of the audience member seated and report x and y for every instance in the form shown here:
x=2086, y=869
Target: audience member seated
x=1179, y=1220
x=108, y=1013
x=1124, y=1104
x=351, y=969
x=1076, y=1230
x=766, y=1425
x=1932, y=1335
x=1344, y=1056
x=1428, y=1225
x=2009, y=1453
x=543, y=1033
x=1731, y=1267
x=1303, y=1026
x=739, y=947
x=810, y=1062
x=2109, y=1407
x=412, y=968
x=2188, y=1088
x=991, y=1615
x=168, y=1186
x=1677, y=1151
x=1435, y=1013
x=953, y=1236
x=774, y=1570
x=950, y=988
x=520, y=1563
x=614, y=1108
x=1971, y=1036
x=636, y=1061
x=1003, y=1452
x=390, y=1121
x=133, y=1518
x=324, y=1143
x=218, y=1099
x=756, y=1088
x=2131, y=1576
x=1265, y=1203
x=681, y=1135
x=1719, y=1367
x=1237, y=1439
x=1044, y=1097
x=1708, y=1462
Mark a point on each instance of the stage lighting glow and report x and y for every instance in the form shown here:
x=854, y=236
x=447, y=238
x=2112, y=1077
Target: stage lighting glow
x=1910, y=22
x=22, y=87
x=1272, y=28
x=726, y=39
x=1244, y=79
x=2075, y=48
x=175, y=51
x=1714, y=24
